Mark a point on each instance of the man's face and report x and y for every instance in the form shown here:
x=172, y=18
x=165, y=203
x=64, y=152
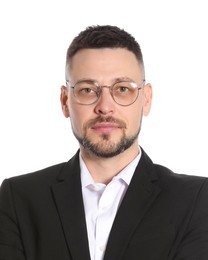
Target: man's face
x=105, y=128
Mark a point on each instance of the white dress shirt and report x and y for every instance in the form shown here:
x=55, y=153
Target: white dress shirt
x=101, y=203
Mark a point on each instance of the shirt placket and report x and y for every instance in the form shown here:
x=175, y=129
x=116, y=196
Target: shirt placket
x=104, y=220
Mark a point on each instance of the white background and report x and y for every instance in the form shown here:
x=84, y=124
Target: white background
x=34, y=37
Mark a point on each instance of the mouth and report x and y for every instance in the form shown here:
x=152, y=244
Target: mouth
x=105, y=127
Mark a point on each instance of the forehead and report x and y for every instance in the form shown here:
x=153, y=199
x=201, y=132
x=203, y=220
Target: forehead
x=104, y=64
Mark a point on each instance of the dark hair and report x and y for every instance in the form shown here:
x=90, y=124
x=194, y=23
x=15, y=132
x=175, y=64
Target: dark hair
x=104, y=36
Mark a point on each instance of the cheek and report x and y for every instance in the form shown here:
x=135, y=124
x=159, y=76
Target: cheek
x=134, y=117
x=78, y=117
x=136, y=121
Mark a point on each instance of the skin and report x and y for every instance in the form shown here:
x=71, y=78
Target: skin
x=105, y=65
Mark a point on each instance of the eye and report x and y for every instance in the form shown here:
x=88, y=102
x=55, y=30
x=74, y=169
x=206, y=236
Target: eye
x=122, y=89
x=86, y=90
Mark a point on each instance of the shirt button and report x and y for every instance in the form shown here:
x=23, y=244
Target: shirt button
x=102, y=248
x=104, y=208
x=96, y=188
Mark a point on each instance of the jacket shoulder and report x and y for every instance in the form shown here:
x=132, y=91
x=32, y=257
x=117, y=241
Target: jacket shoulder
x=35, y=180
x=163, y=171
x=178, y=182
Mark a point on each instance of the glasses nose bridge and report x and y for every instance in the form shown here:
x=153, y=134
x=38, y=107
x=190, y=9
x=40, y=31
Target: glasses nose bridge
x=110, y=87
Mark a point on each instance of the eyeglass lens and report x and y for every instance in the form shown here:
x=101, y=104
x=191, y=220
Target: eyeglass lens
x=123, y=93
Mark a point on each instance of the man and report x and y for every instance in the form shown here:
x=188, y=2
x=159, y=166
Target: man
x=109, y=201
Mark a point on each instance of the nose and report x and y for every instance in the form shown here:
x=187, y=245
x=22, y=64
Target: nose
x=105, y=104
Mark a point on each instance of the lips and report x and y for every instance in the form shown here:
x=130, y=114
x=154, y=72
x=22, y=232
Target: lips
x=105, y=127
x=105, y=124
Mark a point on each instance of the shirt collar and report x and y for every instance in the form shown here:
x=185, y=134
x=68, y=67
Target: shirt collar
x=126, y=174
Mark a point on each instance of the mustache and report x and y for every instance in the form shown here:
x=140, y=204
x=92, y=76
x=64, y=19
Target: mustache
x=102, y=119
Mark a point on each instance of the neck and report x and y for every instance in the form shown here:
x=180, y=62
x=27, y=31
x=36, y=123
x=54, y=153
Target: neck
x=103, y=170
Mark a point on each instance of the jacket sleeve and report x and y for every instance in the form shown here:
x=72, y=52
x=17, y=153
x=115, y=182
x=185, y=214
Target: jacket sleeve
x=10, y=238
x=194, y=244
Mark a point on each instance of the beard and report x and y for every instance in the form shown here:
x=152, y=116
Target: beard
x=107, y=148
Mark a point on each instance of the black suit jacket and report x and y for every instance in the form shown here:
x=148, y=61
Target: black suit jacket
x=163, y=216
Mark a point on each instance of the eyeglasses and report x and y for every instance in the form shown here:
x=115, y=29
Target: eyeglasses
x=124, y=92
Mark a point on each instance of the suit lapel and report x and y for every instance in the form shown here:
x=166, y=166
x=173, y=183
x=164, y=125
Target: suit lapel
x=68, y=198
x=138, y=199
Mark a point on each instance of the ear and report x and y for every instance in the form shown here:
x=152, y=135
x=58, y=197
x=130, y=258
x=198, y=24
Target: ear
x=147, y=99
x=64, y=101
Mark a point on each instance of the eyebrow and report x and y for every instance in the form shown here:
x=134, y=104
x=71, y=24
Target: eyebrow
x=123, y=79
x=113, y=81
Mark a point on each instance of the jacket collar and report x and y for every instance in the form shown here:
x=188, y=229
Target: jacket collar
x=142, y=192
x=68, y=199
